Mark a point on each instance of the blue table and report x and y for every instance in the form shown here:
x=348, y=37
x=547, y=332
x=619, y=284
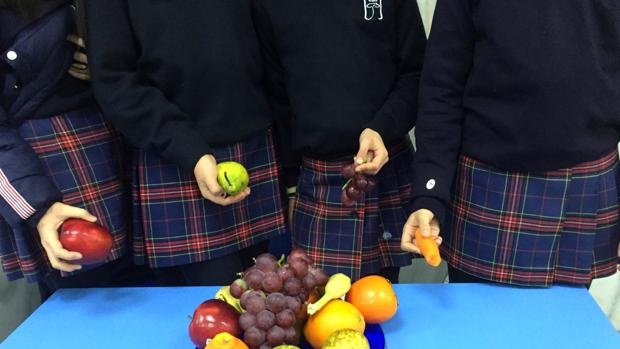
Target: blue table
x=430, y=316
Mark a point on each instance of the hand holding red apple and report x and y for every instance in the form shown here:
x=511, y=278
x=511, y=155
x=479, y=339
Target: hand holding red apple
x=48, y=227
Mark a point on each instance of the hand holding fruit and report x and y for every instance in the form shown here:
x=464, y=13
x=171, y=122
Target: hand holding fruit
x=428, y=226
x=372, y=154
x=208, y=180
x=48, y=228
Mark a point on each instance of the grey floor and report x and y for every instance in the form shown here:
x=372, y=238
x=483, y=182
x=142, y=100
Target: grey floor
x=421, y=273
x=17, y=300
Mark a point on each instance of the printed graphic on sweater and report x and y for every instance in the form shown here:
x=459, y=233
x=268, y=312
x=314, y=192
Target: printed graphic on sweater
x=373, y=9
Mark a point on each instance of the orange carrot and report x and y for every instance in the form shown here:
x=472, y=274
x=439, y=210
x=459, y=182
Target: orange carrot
x=429, y=248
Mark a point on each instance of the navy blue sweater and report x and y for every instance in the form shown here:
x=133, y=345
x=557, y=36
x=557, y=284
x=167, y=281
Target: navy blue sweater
x=523, y=85
x=335, y=68
x=178, y=77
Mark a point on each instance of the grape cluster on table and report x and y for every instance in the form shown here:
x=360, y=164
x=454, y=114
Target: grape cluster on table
x=357, y=183
x=275, y=298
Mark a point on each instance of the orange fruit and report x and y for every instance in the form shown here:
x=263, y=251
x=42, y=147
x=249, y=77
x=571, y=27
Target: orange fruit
x=225, y=340
x=334, y=316
x=374, y=297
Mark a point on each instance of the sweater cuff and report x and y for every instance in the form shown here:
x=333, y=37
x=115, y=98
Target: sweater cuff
x=382, y=127
x=432, y=204
x=33, y=220
x=189, y=151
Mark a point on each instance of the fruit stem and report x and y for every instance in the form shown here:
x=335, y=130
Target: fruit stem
x=282, y=260
x=347, y=183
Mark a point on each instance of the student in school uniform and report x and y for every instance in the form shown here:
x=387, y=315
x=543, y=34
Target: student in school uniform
x=343, y=79
x=59, y=158
x=182, y=81
x=519, y=121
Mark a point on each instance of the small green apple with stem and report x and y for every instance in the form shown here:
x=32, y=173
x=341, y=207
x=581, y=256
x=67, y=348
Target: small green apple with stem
x=232, y=177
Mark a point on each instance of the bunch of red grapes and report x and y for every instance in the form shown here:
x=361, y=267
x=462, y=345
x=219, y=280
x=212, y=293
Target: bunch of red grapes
x=274, y=295
x=357, y=183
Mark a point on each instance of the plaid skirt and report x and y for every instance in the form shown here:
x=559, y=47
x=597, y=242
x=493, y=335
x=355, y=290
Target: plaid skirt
x=175, y=225
x=358, y=240
x=81, y=153
x=534, y=229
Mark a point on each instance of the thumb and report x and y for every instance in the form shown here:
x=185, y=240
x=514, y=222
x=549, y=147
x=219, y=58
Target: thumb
x=362, y=153
x=214, y=187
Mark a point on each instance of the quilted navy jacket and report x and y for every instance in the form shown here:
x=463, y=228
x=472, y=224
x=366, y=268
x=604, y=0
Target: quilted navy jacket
x=33, y=84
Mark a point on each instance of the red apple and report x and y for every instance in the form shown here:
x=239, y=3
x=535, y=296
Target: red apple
x=93, y=241
x=211, y=318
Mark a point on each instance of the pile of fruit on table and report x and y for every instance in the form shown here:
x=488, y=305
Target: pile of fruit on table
x=279, y=303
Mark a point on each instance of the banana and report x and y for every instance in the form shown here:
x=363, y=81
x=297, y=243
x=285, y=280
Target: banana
x=337, y=286
x=224, y=294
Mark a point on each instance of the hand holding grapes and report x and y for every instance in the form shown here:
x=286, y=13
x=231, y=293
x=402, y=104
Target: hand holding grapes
x=372, y=154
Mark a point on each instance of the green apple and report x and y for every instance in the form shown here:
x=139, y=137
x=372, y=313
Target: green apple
x=232, y=177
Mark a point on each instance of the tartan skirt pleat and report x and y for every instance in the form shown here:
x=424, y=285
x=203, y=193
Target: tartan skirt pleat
x=534, y=229
x=81, y=153
x=358, y=240
x=175, y=225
